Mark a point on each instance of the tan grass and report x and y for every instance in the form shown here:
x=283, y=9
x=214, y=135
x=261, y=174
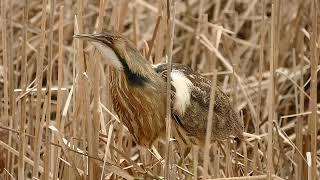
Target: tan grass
x=56, y=115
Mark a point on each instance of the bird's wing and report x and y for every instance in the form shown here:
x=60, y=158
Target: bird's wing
x=185, y=80
x=201, y=86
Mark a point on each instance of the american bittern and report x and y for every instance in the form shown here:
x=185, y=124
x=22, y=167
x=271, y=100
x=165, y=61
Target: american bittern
x=138, y=91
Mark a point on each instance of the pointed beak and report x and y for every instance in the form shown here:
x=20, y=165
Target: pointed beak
x=92, y=37
x=84, y=36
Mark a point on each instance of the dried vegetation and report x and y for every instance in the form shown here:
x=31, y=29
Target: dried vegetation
x=56, y=118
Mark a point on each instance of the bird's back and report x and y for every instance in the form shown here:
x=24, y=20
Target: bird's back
x=191, y=110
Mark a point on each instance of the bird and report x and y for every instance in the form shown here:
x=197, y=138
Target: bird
x=138, y=93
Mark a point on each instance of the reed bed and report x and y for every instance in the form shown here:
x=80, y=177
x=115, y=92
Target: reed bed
x=56, y=117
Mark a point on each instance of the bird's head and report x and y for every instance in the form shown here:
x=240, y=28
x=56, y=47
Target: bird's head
x=121, y=53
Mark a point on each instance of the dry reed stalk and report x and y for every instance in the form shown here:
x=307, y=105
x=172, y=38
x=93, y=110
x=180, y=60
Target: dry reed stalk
x=7, y=74
x=39, y=74
x=245, y=161
x=123, y=10
x=298, y=125
x=243, y=32
x=159, y=46
x=22, y=103
x=313, y=94
x=81, y=92
x=233, y=97
x=76, y=173
x=256, y=158
x=93, y=124
x=57, y=151
x=16, y=153
x=197, y=33
x=10, y=157
x=210, y=116
x=209, y=125
x=135, y=25
x=47, y=159
x=153, y=37
x=271, y=114
x=195, y=161
x=168, y=173
x=6, y=69
x=107, y=149
x=101, y=15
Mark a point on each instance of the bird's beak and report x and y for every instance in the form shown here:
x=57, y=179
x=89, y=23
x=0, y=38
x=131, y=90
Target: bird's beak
x=92, y=37
x=84, y=36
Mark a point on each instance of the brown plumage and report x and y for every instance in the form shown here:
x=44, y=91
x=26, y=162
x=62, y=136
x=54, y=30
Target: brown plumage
x=138, y=92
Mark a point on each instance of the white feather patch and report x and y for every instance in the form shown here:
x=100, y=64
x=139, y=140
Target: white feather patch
x=156, y=65
x=183, y=88
x=108, y=54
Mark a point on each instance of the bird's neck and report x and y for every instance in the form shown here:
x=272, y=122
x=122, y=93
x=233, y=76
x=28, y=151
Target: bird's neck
x=133, y=78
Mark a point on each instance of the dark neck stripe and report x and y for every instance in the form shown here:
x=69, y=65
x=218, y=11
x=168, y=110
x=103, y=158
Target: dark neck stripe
x=134, y=79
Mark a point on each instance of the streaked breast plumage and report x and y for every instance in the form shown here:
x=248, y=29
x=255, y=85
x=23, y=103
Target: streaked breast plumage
x=138, y=91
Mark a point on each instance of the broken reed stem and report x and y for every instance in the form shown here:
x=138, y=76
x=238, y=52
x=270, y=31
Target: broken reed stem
x=168, y=153
x=313, y=94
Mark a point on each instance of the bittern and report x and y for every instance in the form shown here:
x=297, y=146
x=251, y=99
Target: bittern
x=138, y=92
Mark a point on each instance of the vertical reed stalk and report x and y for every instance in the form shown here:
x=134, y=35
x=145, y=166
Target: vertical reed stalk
x=24, y=80
x=168, y=154
x=313, y=94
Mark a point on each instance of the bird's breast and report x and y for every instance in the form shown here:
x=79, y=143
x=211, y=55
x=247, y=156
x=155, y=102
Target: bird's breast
x=140, y=108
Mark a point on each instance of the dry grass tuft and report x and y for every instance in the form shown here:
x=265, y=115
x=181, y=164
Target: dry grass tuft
x=56, y=117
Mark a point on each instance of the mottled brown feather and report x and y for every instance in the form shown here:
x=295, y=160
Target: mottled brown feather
x=226, y=121
x=140, y=101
